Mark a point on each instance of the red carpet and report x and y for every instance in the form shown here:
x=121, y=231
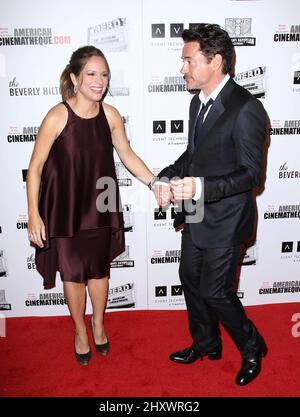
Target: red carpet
x=37, y=358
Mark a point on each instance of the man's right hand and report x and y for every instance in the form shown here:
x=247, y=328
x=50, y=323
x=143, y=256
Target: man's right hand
x=163, y=194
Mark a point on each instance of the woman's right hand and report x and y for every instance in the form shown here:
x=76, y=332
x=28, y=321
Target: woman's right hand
x=36, y=230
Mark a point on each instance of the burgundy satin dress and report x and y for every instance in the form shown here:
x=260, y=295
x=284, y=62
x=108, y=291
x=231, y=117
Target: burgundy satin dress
x=81, y=241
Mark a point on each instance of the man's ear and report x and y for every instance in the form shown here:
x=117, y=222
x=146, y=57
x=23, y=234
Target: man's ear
x=217, y=62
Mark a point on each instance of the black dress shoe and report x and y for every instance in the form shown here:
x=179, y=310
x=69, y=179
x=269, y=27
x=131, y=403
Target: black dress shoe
x=82, y=358
x=103, y=348
x=190, y=355
x=251, y=366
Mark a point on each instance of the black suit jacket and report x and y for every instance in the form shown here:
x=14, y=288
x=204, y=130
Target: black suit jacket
x=228, y=158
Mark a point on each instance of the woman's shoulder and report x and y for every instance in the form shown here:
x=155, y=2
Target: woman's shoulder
x=112, y=114
x=56, y=118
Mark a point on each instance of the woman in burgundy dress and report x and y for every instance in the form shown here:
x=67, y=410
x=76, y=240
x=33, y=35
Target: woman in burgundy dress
x=69, y=223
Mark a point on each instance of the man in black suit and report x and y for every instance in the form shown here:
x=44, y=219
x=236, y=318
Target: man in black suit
x=220, y=168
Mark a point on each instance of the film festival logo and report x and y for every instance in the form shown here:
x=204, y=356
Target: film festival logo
x=122, y=296
x=290, y=251
x=32, y=36
x=254, y=80
x=16, y=90
x=123, y=260
x=26, y=134
x=110, y=36
x=239, y=29
x=286, y=33
x=282, y=212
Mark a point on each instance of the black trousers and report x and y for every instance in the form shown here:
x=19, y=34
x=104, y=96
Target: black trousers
x=208, y=277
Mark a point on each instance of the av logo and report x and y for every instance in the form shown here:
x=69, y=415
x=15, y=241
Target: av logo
x=287, y=247
x=176, y=30
x=159, y=126
x=161, y=291
x=158, y=30
x=160, y=214
x=176, y=126
x=176, y=290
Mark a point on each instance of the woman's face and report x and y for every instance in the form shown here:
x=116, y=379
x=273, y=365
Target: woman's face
x=93, y=79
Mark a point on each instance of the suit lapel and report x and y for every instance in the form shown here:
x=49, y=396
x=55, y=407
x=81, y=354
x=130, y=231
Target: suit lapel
x=215, y=111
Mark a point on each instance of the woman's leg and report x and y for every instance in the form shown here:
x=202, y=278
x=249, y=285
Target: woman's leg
x=98, y=291
x=75, y=294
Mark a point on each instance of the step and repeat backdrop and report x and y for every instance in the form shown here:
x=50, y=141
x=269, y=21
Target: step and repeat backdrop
x=141, y=40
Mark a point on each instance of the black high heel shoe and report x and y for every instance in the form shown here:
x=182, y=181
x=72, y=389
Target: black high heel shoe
x=82, y=358
x=103, y=348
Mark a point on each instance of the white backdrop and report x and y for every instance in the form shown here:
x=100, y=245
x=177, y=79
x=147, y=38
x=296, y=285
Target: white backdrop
x=142, y=42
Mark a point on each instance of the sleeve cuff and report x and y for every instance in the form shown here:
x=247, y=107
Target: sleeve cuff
x=198, y=185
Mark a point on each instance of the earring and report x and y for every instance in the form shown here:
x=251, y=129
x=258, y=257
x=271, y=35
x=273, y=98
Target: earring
x=75, y=88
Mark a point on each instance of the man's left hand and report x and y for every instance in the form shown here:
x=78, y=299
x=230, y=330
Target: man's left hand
x=183, y=189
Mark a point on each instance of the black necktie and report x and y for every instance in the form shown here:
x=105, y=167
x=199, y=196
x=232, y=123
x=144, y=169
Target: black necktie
x=199, y=123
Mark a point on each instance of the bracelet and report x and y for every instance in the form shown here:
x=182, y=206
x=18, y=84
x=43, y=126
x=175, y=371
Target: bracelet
x=152, y=182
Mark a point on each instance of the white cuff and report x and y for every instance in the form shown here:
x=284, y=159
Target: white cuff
x=198, y=185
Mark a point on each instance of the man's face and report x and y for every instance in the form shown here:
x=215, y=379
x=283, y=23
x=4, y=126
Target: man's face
x=198, y=72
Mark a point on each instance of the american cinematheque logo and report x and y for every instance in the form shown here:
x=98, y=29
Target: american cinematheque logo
x=286, y=127
x=285, y=33
x=111, y=36
x=286, y=211
x=280, y=287
x=239, y=29
x=254, y=80
x=22, y=135
x=166, y=257
x=45, y=299
x=167, y=84
x=31, y=36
